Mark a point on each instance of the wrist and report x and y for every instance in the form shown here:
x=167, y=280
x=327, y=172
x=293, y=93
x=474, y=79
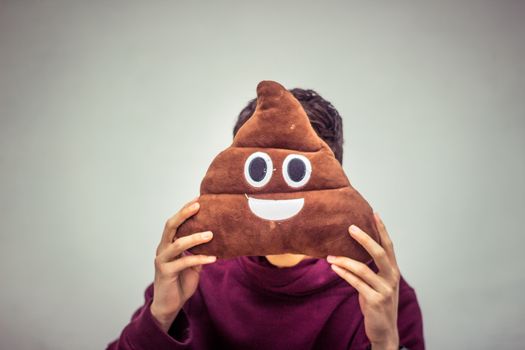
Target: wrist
x=385, y=346
x=391, y=343
x=164, y=319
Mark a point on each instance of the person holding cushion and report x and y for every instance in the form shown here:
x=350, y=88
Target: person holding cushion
x=280, y=299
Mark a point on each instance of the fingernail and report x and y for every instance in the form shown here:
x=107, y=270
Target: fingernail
x=354, y=229
x=206, y=234
x=211, y=258
x=335, y=267
x=194, y=206
x=330, y=258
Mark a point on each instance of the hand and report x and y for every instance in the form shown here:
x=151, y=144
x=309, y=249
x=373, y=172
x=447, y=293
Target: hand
x=176, y=274
x=378, y=293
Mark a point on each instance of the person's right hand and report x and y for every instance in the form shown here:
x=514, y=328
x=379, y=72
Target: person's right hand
x=176, y=274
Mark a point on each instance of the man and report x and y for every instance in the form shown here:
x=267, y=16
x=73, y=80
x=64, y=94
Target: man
x=285, y=301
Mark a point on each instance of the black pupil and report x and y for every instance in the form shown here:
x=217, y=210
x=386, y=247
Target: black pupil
x=257, y=169
x=296, y=170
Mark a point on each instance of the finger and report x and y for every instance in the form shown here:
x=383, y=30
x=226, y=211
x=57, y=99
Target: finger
x=361, y=271
x=177, y=219
x=386, y=241
x=173, y=250
x=363, y=288
x=373, y=248
x=188, y=261
x=174, y=221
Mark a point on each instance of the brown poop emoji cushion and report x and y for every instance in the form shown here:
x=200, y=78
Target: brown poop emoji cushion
x=279, y=189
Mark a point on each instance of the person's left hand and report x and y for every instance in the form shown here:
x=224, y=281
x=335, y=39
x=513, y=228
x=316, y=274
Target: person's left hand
x=378, y=293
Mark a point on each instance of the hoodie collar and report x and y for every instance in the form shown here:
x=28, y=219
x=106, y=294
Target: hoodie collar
x=308, y=276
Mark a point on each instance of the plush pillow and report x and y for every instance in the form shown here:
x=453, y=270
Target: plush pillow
x=279, y=189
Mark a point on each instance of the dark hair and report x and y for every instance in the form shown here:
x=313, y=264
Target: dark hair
x=324, y=118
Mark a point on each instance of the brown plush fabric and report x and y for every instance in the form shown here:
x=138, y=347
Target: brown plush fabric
x=249, y=219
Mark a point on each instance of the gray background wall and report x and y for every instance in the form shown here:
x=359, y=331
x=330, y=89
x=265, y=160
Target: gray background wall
x=111, y=112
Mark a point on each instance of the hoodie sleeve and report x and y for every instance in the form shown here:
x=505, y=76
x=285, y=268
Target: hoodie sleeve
x=143, y=332
x=409, y=319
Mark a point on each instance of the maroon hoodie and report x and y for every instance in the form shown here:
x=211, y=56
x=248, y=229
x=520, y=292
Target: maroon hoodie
x=248, y=303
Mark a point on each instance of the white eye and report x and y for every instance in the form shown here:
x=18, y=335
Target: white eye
x=258, y=169
x=296, y=170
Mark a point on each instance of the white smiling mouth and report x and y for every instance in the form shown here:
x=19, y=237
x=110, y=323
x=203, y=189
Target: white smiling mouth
x=275, y=209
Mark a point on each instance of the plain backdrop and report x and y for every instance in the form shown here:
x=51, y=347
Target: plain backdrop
x=112, y=111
